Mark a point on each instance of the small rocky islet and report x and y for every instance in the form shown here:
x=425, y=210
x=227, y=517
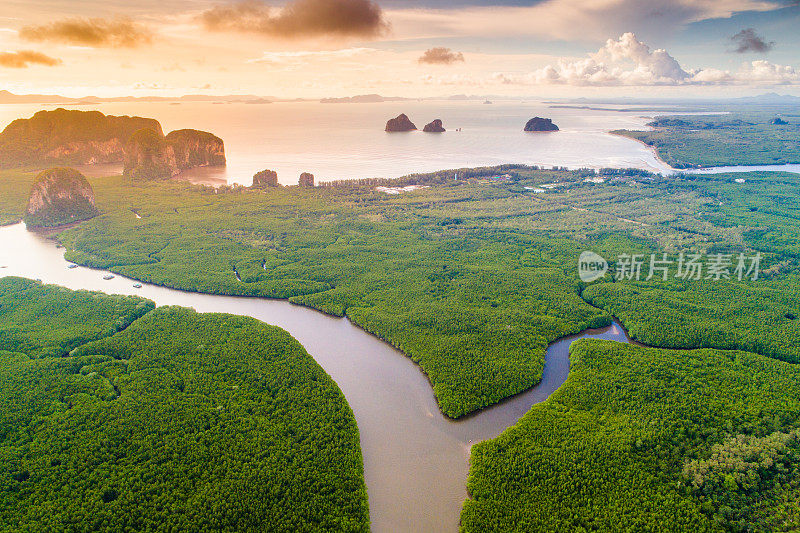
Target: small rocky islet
x=540, y=124
x=434, y=127
x=400, y=123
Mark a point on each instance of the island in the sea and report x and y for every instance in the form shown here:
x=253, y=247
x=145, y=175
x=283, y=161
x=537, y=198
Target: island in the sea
x=434, y=127
x=400, y=123
x=540, y=124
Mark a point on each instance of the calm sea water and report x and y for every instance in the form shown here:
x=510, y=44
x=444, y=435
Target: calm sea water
x=347, y=141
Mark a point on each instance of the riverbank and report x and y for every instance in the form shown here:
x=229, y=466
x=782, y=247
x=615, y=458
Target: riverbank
x=415, y=467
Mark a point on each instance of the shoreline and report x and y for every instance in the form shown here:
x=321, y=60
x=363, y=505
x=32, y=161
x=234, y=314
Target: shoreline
x=51, y=235
x=698, y=169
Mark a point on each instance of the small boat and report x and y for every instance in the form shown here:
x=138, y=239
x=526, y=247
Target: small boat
x=137, y=285
x=108, y=277
x=73, y=265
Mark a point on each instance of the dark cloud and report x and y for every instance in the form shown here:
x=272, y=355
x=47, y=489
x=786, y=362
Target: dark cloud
x=300, y=18
x=441, y=56
x=25, y=58
x=748, y=40
x=95, y=32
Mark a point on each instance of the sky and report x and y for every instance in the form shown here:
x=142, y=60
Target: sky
x=411, y=48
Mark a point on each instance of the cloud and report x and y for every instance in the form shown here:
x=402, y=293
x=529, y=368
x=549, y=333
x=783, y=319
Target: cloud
x=25, y=58
x=762, y=71
x=625, y=61
x=441, y=56
x=587, y=21
x=94, y=32
x=748, y=40
x=300, y=19
x=630, y=62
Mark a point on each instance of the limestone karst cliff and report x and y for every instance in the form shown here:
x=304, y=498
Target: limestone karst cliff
x=151, y=156
x=59, y=196
x=68, y=137
x=194, y=148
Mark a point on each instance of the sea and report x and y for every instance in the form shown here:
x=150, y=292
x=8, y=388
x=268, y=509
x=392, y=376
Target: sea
x=337, y=141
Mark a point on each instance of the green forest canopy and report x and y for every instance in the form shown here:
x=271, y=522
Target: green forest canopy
x=642, y=439
x=180, y=421
x=470, y=279
x=740, y=138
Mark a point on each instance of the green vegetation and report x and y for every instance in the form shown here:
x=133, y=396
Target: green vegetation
x=714, y=314
x=146, y=156
x=470, y=278
x=723, y=140
x=762, y=214
x=48, y=321
x=473, y=277
x=14, y=188
x=473, y=303
x=180, y=422
x=641, y=439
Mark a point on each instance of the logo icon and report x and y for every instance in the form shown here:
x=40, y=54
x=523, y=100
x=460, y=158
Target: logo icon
x=591, y=266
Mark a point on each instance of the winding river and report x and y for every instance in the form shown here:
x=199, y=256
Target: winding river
x=416, y=460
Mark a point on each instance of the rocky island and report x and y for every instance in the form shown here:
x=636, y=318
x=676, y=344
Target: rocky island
x=149, y=155
x=540, y=124
x=59, y=196
x=69, y=137
x=434, y=127
x=400, y=123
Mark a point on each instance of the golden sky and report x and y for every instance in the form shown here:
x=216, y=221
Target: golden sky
x=317, y=48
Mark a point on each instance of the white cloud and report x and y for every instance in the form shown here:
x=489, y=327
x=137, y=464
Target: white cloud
x=630, y=62
x=762, y=71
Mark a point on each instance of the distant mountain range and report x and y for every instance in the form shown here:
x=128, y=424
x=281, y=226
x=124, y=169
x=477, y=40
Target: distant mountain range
x=768, y=99
x=364, y=99
x=10, y=98
x=762, y=99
